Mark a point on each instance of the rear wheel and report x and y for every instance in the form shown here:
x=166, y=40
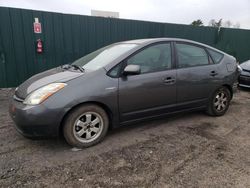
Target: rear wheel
x=219, y=103
x=85, y=126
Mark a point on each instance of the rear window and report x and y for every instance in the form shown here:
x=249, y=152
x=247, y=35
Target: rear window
x=216, y=56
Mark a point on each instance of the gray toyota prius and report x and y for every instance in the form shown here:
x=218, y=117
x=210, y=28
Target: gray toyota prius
x=123, y=83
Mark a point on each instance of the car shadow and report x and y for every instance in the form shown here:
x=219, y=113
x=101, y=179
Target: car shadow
x=244, y=89
x=59, y=143
x=154, y=122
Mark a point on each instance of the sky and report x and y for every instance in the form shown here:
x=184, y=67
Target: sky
x=169, y=11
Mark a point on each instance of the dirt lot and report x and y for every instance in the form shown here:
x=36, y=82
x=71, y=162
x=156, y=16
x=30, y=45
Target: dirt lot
x=187, y=150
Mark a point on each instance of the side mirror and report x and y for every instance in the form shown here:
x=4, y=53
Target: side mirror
x=132, y=70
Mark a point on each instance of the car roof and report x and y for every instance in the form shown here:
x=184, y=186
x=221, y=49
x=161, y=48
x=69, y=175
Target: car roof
x=149, y=40
x=153, y=40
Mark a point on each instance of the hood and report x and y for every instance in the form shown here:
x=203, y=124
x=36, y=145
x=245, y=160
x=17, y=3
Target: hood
x=53, y=75
x=245, y=65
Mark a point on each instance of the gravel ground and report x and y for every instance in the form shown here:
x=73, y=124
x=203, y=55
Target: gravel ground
x=187, y=150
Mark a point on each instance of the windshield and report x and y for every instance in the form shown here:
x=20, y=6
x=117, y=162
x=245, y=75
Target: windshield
x=103, y=56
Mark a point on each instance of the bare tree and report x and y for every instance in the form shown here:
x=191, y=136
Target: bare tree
x=213, y=23
x=227, y=24
x=220, y=23
x=237, y=25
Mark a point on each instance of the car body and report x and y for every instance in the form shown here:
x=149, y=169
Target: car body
x=129, y=81
x=244, y=78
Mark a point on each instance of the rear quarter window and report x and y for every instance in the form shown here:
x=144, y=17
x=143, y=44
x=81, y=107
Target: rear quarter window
x=216, y=56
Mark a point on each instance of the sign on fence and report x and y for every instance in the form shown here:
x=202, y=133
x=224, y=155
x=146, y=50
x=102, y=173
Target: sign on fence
x=37, y=26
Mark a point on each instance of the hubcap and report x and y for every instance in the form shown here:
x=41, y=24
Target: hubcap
x=221, y=101
x=88, y=127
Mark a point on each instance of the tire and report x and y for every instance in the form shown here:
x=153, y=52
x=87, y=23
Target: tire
x=85, y=126
x=219, y=102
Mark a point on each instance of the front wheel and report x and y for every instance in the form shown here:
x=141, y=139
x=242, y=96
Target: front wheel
x=219, y=102
x=85, y=126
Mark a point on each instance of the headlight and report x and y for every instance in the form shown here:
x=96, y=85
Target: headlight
x=239, y=68
x=41, y=94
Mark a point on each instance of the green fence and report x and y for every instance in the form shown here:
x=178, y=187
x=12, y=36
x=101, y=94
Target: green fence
x=67, y=37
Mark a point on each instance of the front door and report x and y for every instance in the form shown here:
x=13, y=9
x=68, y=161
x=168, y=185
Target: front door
x=152, y=92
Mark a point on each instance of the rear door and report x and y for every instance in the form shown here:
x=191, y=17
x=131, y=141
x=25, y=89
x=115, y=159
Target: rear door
x=152, y=92
x=197, y=75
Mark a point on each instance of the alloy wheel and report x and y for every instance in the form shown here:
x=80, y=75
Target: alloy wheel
x=88, y=127
x=221, y=101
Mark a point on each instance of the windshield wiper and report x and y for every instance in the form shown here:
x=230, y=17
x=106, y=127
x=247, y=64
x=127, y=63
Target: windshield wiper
x=68, y=66
x=78, y=67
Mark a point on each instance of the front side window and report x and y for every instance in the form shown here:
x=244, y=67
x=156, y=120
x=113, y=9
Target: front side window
x=190, y=55
x=153, y=58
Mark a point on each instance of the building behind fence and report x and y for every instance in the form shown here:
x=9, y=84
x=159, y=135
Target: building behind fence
x=67, y=37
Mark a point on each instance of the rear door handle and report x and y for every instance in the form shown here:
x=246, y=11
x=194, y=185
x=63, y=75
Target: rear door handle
x=168, y=80
x=213, y=73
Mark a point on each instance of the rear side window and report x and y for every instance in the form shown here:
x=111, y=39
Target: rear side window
x=190, y=55
x=216, y=56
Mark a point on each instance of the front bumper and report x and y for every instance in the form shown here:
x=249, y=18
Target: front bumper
x=35, y=121
x=244, y=81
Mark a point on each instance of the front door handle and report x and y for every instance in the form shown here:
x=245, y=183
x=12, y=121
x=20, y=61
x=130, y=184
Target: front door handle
x=213, y=73
x=168, y=80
